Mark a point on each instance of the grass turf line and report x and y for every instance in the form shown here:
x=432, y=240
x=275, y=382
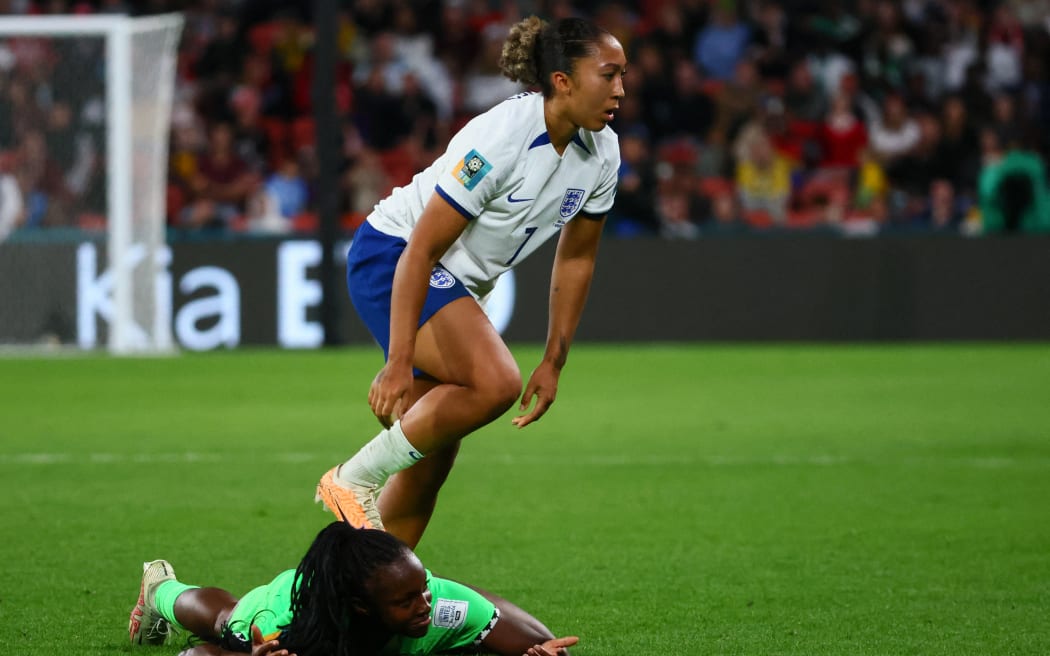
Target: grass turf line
x=677, y=499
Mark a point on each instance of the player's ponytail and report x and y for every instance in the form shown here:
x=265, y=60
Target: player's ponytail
x=534, y=49
x=330, y=583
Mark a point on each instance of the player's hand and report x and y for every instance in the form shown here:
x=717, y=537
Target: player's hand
x=555, y=647
x=543, y=386
x=262, y=647
x=387, y=395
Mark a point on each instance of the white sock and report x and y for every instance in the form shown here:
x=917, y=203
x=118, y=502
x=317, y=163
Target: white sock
x=386, y=454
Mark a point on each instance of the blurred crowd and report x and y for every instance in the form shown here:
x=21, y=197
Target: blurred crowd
x=860, y=117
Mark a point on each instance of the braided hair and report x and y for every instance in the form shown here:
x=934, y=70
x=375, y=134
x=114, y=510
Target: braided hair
x=535, y=48
x=330, y=584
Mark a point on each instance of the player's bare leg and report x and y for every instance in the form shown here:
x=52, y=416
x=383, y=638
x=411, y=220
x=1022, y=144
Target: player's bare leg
x=479, y=382
x=410, y=496
x=203, y=611
x=479, y=378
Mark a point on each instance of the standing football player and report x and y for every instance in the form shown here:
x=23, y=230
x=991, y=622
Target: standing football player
x=420, y=268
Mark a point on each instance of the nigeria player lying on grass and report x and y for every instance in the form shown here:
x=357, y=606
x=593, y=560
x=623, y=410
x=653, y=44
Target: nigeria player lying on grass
x=355, y=592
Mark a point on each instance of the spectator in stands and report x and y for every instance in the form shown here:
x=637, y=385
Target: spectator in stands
x=220, y=62
x=928, y=24
x=71, y=149
x=676, y=208
x=974, y=93
x=415, y=48
x=724, y=210
x=7, y=112
x=393, y=87
x=378, y=109
x=738, y=100
x=21, y=110
x=960, y=145
x=250, y=140
x=843, y=136
x=428, y=131
x=12, y=207
x=364, y=184
x=287, y=190
x=1035, y=88
x=43, y=186
x=792, y=139
x=651, y=82
x=456, y=42
x=825, y=193
x=674, y=27
x=894, y=133
x=803, y=98
x=943, y=212
x=770, y=45
x=384, y=69
x=221, y=186
x=616, y=17
x=871, y=185
x=1004, y=51
x=830, y=27
x=763, y=177
x=630, y=118
x=722, y=43
x=483, y=84
x=1013, y=187
x=1006, y=119
x=692, y=110
x=917, y=169
x=887, y=51
x=290, y=54
x=634, y=212
x=679, y=206
x=373, y=16
x=60, y=133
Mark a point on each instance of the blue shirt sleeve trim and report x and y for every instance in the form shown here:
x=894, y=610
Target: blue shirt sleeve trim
x=592, y=217
x=452, y=201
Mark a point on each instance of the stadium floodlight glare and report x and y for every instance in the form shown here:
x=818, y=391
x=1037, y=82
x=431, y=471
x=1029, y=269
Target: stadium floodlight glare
x=139, y=64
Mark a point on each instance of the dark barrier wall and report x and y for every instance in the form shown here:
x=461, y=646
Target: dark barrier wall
x=812, y=288
x=227, y=294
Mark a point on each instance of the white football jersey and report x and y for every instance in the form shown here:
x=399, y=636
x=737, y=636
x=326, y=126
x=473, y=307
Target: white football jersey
x=502, y=173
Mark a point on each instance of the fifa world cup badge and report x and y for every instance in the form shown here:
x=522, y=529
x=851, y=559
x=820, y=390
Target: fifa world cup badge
x=471, y=169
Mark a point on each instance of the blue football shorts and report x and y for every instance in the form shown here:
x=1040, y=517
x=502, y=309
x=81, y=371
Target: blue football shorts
x=370, y=265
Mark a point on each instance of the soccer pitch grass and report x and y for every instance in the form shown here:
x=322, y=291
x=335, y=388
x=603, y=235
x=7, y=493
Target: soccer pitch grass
x=677, y=499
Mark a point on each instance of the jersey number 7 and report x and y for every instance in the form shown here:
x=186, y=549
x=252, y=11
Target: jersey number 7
x=528, y=235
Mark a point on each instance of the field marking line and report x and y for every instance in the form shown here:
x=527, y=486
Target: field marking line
x=587, y=460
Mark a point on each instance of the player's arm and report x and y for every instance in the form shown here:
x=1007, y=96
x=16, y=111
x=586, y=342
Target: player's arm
x=438, y=228
x=260, y=647
x=570, y=283
x=517, y=632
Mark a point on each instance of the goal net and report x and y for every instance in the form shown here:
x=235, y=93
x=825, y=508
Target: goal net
x=90, y=101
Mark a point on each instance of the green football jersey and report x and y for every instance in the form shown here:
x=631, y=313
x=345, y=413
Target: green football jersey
x=459, y=616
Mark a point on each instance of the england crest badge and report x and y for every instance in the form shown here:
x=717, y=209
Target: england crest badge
x=571, y=202
x=440, y=278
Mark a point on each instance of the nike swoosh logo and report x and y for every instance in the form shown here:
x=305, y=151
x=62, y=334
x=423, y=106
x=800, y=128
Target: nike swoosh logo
x=512, y=199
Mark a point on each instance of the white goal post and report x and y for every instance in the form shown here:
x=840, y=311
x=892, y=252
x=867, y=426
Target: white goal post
x=139, y=62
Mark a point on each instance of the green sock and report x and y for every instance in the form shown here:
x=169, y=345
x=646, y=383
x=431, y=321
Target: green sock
x=165, y=597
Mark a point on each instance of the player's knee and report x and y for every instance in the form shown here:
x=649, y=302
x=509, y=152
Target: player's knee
x=503, y=389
